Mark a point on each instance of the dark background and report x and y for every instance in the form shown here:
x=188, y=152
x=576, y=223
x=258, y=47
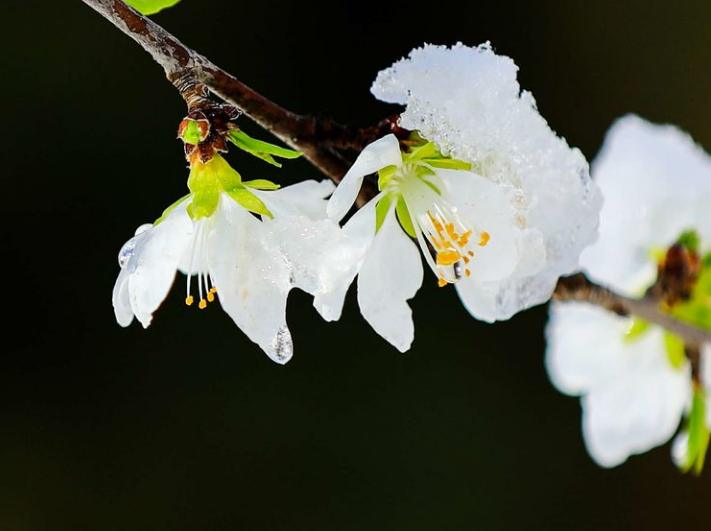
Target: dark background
x=188, y=425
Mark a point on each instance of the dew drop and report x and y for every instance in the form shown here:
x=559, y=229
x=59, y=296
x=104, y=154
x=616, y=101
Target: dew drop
x=283, y=345
x=129, y=247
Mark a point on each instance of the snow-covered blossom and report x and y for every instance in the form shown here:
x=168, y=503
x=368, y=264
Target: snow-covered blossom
x=226, y=236
x=498, y=204
x=469, y=103
x=634, y=378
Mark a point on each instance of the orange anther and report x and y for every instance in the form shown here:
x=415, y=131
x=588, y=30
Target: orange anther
x=467, y=259
x=442, y=283
x=202, y=304
x=210, y=296
x=470, y=253
x=484, y=238
x=448, y=258
x=189, y=300
x=468, y=273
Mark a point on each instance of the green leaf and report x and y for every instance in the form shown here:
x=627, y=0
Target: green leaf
x=698, y=435
x=448, y=164
x=635, y=331
x=690, y=240
x=150, y=7
x=249, y=201
x=192, y=134
x=260, y=149
x=675, y=349
x=261, y=184
x=168, y=210
x=403, y=214
x=384, y=176
x=381, y=211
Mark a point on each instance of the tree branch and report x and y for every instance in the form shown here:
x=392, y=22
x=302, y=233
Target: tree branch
x=579, y=288
x=194, y=77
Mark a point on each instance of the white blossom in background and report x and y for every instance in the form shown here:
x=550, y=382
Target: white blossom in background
x=227, y=253
x=498, y=204
x=634, y=379
x=468, y=101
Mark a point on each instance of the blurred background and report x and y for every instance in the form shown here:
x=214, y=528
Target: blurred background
x=188, y=425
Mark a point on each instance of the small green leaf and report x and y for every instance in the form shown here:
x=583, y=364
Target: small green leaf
x=192, y=134
x=150, y=7
x=690, y=240
x=698, y=435
x=448, y=164
x=260, y=149
x=249, y=201
x=384, y=176
x=168, y=210
x=261, y=184
x=635, y=331
x=403, y=214
x=381, y=211
x=675, y=349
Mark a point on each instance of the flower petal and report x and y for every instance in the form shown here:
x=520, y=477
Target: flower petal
x=391, y=275
x=633, y=398
x=121, y=300
x=155, y=261
x=381, y=153
x=252, y=280
x=306, y=198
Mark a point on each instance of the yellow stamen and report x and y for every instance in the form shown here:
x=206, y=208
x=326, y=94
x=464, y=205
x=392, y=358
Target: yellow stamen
x=448, y=257
x=468, y=273
x=470, y=253
x=213, y=290
x=467, y=259
x=189, y=300
x=210, y=296
x=484, y=238
x=202, y=304
x=442, y=283
x=464, y=239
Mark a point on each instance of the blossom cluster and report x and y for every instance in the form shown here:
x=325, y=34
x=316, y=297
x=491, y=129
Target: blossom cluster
x=473, y=182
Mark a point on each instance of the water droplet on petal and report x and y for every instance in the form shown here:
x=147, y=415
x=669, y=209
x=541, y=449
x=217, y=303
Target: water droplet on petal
x=283, y=345
x=129, y=247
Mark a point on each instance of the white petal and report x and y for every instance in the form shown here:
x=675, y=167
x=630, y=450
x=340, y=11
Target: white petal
x=391, y=275
x=657, y=184
x=252, y=280
x=306, y=198
x=155, y=261
x=381, y=153
x=121, y=301
x=633, y=398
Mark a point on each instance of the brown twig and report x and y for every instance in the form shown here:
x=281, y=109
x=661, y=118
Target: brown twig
x=318, y=138
x=579, y=288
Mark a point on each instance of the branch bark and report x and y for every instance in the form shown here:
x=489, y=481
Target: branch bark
x=318, y=138
x=580, y=288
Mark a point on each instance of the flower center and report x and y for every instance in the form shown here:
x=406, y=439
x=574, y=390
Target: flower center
x=447, y=241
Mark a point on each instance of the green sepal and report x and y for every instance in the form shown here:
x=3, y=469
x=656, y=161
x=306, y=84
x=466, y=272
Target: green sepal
x=636, y=330
x=168, y=210
x=448, y=164
x=403, y=215
x=381, y=211
x=191, y=134
x=674, y=346
x=260, y=149
x=698, y=435
x=150, y=7
x=261, y=184
x=424, y=151
x=204, y=204
x=384, y=176
x=432, y=185
x=249, y=201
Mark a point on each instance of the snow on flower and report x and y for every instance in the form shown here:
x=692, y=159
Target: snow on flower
x=634, y=378
x=498, y=204
x=225, y=237
x=469, y=103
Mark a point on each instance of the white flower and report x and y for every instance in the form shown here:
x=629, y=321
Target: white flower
x=468, y=101
x=634, y=379
x=226, y=252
